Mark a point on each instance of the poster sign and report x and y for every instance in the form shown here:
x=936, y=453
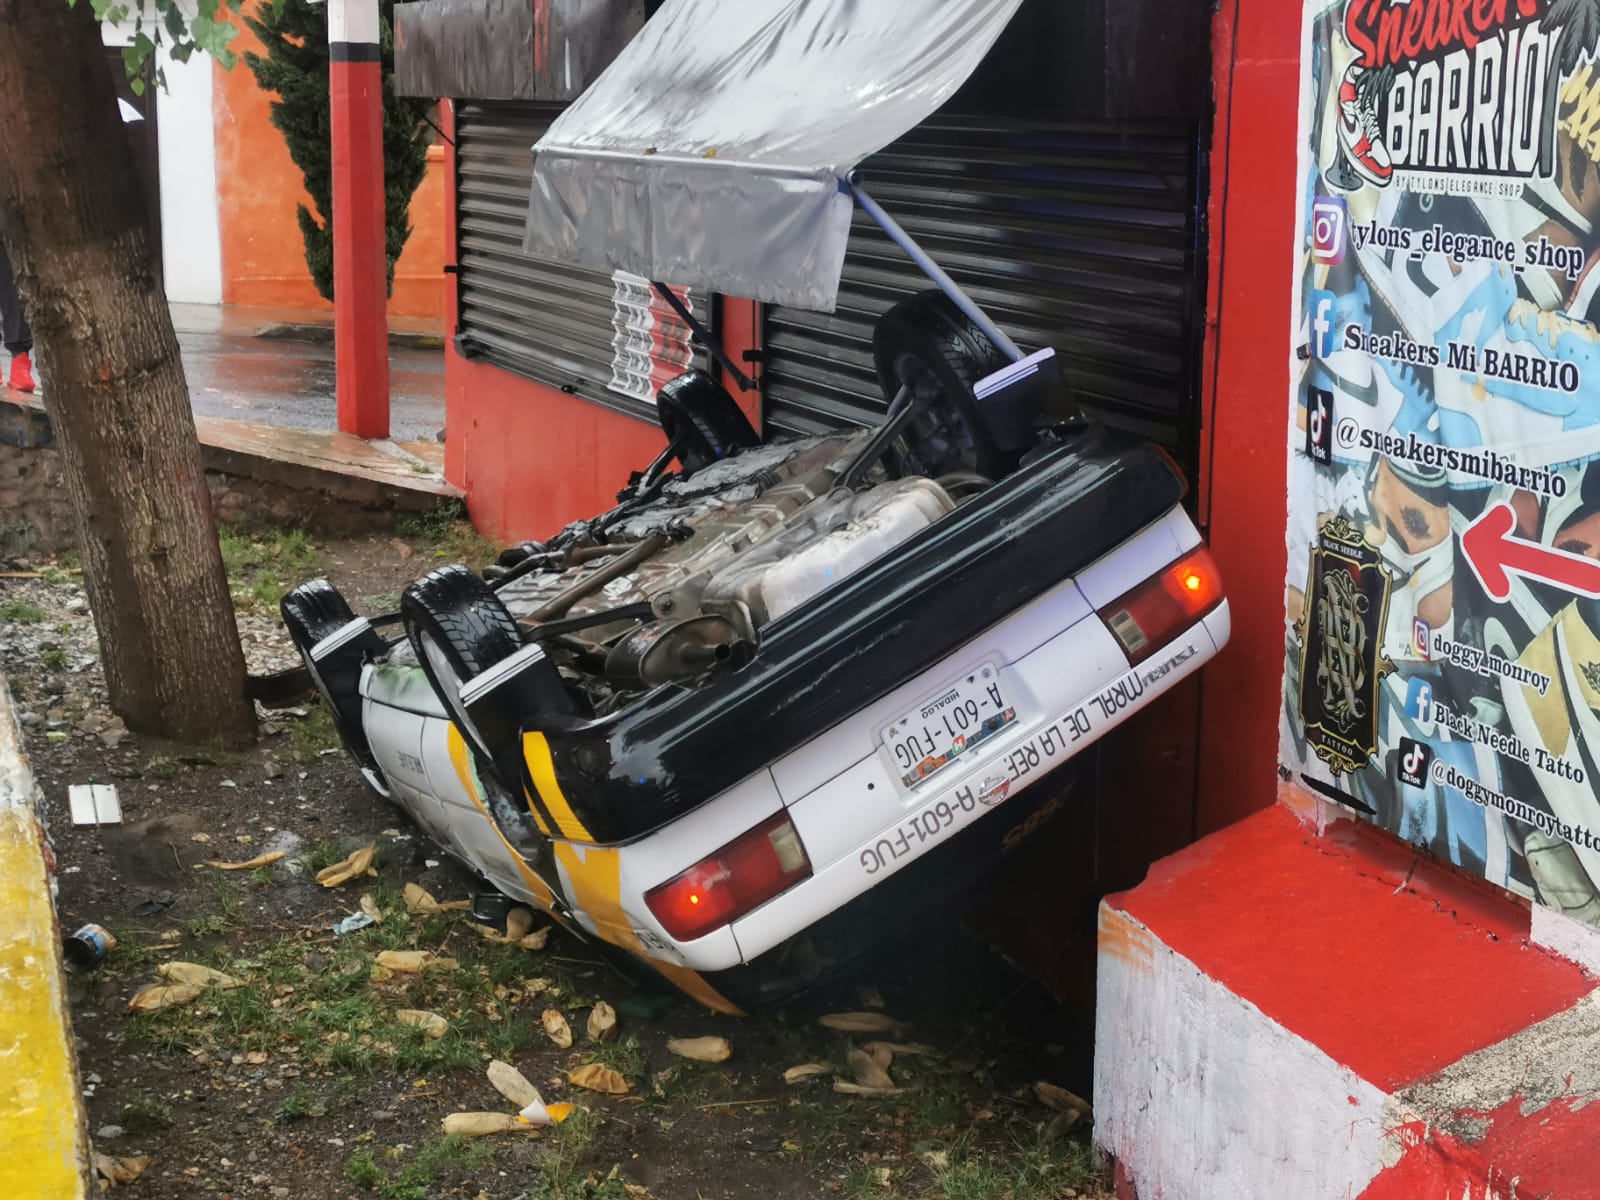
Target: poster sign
x=1443, y=641
x=651, y=343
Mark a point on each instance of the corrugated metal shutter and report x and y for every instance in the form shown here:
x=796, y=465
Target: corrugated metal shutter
x=548, y=321
x=1073, y=236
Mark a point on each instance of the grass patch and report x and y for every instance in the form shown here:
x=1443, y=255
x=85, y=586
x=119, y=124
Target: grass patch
x=1038, y=1170
x=21, y=612
x=324, y=854
x=440, y=1160
x=446, y=532
x=161, y=767
x=55, y=658
x=624, y=1056
x=299, y=1105
x=310, y=735
x=263, y=563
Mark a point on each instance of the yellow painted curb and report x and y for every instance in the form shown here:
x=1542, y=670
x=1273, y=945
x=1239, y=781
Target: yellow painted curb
x=45, y=1150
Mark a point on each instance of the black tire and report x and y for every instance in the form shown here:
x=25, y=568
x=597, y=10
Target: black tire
x=928, y=343
x=698, y=410
x=459, y=629
x=311, y=612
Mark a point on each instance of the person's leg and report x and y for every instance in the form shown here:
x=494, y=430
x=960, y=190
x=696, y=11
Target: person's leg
x=14, y=331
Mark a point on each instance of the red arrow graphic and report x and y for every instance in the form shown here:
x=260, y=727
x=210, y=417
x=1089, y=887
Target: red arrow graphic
x=1494, y=555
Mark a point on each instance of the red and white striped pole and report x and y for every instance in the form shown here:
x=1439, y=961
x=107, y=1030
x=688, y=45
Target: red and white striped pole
x=360, y=266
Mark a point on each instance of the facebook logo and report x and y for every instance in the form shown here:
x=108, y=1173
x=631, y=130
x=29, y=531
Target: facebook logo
x=1419, y=700
x=1324, y=335
x=1412, y=763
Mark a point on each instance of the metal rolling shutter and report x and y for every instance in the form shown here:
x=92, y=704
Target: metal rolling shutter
x=548, y=321
x=1075, y=236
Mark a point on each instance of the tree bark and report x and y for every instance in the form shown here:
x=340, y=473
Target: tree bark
x=72, y=217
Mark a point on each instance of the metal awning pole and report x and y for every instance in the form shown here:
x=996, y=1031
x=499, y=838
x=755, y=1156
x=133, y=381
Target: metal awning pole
x=933, y=271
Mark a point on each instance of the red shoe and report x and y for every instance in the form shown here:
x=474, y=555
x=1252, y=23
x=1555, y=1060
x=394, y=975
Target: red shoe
x=22, y=372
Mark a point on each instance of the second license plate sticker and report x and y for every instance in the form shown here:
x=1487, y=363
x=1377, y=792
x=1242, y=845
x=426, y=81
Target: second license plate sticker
x=952, y=722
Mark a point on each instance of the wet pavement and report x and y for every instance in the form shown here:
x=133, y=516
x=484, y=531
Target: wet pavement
x=275, y=381
x=233, y=373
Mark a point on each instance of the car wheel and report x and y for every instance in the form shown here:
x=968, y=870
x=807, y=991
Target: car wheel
x=927, y=344
x=459, y=629
x=313, y=612
x=697, y=412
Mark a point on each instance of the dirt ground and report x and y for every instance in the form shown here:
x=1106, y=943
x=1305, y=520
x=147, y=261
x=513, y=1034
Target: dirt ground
x=304, y=1082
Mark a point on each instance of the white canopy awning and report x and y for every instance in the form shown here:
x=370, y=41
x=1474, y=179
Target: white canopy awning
x=710, y=152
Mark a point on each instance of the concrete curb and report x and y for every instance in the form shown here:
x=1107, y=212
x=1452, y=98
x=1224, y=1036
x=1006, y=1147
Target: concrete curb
x=46, y=1151
x=1287, y=1012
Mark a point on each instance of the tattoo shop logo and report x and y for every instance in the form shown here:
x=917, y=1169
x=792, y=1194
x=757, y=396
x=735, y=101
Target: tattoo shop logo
x=1458, y=88
x=1341, y=633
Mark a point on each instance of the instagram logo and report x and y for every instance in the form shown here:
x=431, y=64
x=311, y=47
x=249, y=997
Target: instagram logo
x=1330, y=221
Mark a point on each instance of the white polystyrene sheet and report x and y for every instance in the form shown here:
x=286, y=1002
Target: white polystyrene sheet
x=710, y=152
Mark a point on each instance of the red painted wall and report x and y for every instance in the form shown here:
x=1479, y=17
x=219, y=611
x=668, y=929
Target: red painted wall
x=1244, y=456
x=530, y=458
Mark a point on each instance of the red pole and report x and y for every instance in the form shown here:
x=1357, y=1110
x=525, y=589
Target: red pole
x=360, y=266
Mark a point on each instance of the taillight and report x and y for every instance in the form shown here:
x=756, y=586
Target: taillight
x=743, y=875
x=1162, y=606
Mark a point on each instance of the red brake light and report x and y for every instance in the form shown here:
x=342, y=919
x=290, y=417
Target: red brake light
x=1165, y=604
x=740, y=877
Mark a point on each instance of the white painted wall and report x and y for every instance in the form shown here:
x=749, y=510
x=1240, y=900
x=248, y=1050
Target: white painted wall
x=191, y=232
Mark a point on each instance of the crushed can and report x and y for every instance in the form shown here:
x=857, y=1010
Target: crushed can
x=88, y=947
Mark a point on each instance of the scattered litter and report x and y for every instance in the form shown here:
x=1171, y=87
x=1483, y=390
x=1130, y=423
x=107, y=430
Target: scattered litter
x=845, y=1088
x=88, y=947
x=701, y=1049
x=555, y=1025
x=228, y=783
x=602, y=1024
x=871, y=1070
x=430, y=1023
x=909, y=1049
x=354, y=922
x=419, y=900
x=513, y=1084
x=806, y=1071
x=482, y=1124
x=157, y=903
x=155, y=996
x=197, y=975
x=430, y=863
x=260, y=860
x=598, y=1078
x=357, y=865
x=202, y=838
x=1058, y=1099
x=369, y=905
x=117, y=1171
x=518, y=922
x=538, y=1113
x=109, y=1133
x=94, y=804
x=413, y=961
x=861, y=1022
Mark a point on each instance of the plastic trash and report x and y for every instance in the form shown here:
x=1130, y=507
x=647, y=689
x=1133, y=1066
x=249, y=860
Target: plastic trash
x=354, y=922
x=88, y=947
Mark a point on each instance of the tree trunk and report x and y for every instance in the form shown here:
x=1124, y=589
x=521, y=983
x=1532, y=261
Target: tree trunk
x=72, y=216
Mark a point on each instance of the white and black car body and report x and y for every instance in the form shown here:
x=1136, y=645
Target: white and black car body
x=737, y=724
x=760, y=689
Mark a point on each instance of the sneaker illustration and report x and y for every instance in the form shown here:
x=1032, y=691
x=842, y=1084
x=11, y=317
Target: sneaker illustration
x=1359, y=135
